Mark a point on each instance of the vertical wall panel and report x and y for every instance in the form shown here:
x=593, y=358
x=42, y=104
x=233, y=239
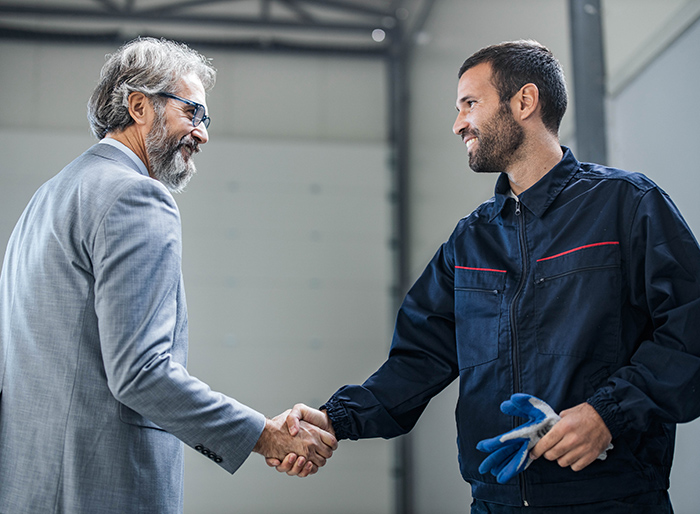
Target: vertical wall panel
x=287, y=274
x=654, y=130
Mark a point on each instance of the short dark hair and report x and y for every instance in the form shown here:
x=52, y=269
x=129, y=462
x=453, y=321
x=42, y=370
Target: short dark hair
x=147, y=65
x=516, y=63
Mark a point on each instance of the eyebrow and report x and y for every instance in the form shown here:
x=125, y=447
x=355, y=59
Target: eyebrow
x=463, y=100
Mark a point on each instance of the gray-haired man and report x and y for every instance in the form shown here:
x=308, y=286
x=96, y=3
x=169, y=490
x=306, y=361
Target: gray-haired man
x=94, y=395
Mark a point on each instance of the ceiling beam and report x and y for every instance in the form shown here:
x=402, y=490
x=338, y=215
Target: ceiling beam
x=139, y=16
x=174, y=6
x=264, y=45
x=350, y=7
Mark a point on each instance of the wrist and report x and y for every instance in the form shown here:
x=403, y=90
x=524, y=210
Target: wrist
x=329, y=423
x=339, y=419
x=263, y=444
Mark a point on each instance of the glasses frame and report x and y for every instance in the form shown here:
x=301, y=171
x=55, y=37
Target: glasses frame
x=198, y=108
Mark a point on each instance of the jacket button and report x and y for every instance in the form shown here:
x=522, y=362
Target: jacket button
x=218, y=460
x=199, y=447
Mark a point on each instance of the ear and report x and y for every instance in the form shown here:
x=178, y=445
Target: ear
x=140, y=108
x=526, y=101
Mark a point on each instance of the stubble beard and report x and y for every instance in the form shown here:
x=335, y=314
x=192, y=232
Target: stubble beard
x=498, y=141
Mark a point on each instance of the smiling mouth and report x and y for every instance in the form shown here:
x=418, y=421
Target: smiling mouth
x=470, y=142
x=188, y=150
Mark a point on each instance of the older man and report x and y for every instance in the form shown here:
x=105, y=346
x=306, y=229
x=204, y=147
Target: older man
x=94, y=395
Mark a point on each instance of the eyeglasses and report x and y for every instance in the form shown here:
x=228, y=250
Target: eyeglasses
x=200, y=112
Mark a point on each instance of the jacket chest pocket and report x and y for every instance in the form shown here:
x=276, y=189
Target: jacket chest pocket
x=478, y=297
x=577, y=302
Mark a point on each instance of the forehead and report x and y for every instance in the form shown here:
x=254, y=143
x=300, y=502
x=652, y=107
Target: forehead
x=476, y=81
x=191, y=88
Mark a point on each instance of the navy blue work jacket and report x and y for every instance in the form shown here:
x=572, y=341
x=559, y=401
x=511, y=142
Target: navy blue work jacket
x=585, y=289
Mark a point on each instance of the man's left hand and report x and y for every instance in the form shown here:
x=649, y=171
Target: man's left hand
x=577, y=440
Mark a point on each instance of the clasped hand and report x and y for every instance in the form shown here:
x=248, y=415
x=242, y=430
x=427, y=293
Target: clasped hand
x=298, y=441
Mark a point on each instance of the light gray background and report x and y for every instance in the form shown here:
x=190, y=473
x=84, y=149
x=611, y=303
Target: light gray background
x=286, y=228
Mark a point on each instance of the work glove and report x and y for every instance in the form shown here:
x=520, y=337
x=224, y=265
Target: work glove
x=510, y=452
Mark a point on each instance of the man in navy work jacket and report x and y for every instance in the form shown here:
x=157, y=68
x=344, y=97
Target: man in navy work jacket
x=576, y=283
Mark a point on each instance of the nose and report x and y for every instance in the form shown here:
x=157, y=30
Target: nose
x=200, y=134
x=460, y=123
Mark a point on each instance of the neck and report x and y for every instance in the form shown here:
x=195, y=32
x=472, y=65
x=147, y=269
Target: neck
x=134, y=140
x=538, y=157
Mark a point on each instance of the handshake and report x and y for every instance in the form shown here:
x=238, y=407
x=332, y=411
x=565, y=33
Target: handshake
x=298, y=441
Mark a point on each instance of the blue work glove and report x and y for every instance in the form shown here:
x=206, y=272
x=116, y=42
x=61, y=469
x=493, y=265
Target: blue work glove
x=510, y=452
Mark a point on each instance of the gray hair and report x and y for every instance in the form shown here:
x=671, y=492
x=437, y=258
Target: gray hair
x=144, y=65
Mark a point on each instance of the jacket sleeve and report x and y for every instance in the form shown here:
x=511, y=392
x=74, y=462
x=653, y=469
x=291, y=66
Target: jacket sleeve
x=422, y=362
x=661, y=383
x=137, y=267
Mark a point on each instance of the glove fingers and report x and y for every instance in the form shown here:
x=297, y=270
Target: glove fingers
x=498, y=459
x=495, y=443
x=528, y=406
x=513, y=409
x=492, y=444
x=517, y=463
x=543, y=408
x=498, y=467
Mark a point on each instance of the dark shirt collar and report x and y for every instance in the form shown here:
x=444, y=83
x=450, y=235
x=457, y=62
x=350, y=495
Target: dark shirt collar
x=539, y=196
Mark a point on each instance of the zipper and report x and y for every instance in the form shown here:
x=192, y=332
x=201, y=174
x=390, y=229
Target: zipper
x=477, y=290
x=514, y=301
x=572, y=272
x=514, y=328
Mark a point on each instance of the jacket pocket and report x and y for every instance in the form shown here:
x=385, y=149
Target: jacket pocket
x=131, y=417
x=577, y=302
x=478, y=298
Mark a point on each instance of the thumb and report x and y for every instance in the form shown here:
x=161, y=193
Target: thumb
x=294, y=418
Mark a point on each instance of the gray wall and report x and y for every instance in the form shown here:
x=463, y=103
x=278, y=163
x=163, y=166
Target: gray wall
x=286, y=226
x=654, y=129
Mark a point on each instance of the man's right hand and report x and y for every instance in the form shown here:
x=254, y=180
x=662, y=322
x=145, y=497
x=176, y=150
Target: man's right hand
x=297, y=418
x=296, y=446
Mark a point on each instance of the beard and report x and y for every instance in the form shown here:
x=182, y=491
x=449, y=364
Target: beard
x=498, y=142
x=170, y=158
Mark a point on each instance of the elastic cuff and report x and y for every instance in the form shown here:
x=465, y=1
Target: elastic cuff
x=608, y=409
x=339, y=418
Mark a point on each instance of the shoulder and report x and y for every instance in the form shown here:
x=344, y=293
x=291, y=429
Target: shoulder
x=104, y=186
x=482, y=214
x=637, y=181
x=104, y=175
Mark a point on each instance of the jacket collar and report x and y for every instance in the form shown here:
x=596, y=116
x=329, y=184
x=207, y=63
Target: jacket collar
x=111, y=152
x=540, y=196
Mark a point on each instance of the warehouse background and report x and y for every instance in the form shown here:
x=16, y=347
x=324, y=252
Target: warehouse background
x=298, y=223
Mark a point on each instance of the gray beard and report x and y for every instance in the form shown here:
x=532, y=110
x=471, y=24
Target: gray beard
x=168, y=165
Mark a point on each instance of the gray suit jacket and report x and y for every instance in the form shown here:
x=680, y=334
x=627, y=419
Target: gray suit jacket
x=94, y=393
